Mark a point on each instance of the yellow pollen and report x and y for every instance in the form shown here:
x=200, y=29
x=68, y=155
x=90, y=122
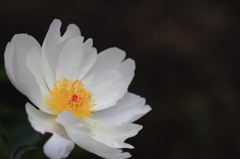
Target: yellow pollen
x=72, y=96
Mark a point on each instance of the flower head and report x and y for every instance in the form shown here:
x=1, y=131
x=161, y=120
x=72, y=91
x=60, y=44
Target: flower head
x=81, y=96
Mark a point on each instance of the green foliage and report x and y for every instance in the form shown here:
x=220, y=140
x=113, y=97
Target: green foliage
x=24, y=151
x=21, y=152
x=4, y=145
x=25, y=142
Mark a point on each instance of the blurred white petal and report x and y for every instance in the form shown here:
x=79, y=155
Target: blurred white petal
x=58, y=147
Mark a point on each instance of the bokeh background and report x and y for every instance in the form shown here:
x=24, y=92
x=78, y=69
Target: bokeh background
x=187, y=55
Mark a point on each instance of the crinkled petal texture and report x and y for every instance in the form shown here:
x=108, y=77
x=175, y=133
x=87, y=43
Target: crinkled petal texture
x=34, y=70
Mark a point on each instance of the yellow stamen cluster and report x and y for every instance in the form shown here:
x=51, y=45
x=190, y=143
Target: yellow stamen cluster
x=72, y=96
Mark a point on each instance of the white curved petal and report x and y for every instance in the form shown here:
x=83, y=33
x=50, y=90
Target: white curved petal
x=76, y=59
x=34, y=64
x=18, y=72
x=8, y=64
x=107, y=90
x=107, y=60
x=126, y=68
x=58, y=147
x=71, y=32
x=89, y=58
x=88, y=143
x=49, y=53
x=112, y=135
x=33, y=61
x=52, y=47
x=43, y=122
x=87, y=81
x=128, y=109
x=83, y=137
x=70, y=59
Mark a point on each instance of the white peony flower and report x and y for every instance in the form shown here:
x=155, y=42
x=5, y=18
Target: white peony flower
x=81, y=96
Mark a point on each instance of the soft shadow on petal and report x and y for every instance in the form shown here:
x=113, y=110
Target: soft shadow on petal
x=58, y=147
x=33, y=61
x=126, y=68
x=107, y=90
x=107, y=60
x=87, y=81
x=86, y=142
x=70, y=59
x=34, y=64
x=17, y=70
x=76, y=59
x=128, y=109
x=112, y=135
x=8, y=64
x=71, y=32
x=22, y=44
x=52, y=47
x=83, y=137
x=49, y=54
x=43, y=122
x=89, y=58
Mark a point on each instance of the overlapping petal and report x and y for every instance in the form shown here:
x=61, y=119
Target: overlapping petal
x=112, y=135
x=107, y=90
x=59, y=145
x=43, y=122
x=70, y=59
x=84, y=138
x=52, y=47
x=76, y=59
x=17, y=70
x=128, y=109
x=107, y=60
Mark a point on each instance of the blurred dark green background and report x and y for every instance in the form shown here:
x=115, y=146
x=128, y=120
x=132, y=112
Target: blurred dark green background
x=188, y=59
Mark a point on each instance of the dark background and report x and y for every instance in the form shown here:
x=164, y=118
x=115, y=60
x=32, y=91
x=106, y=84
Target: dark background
x=187, y=55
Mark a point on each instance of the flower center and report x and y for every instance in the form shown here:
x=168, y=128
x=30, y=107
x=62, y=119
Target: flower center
x=72, y=96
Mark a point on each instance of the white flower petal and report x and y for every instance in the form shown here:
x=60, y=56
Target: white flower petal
x=107, y=60
x=87, y=81
x=18, y=72
x=52, y=47
x=111, y=134
x=33, y=61
x=76, y=59
x=34, y=64
x=107, y=90
x=89, y=58
x=128, y=109
x=8, y=63
x=70, y=59
x=126, y=68
x=71, y=32
x=58, y=147
x=43, y=122
x=88, y=143
x=82, y=136
x=49, y=54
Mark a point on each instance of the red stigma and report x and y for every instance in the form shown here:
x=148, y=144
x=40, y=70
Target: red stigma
x=75, y=98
